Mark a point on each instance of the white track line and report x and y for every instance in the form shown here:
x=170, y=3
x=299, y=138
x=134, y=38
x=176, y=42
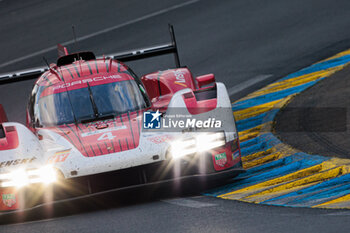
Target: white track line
x=248, y=83
x=88, y=36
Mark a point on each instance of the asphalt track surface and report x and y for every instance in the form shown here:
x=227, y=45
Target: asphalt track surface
x=317, y=120
x=247, y=44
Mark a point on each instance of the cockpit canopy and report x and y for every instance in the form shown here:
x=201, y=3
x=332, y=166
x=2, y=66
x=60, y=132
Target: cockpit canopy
x=90, y=102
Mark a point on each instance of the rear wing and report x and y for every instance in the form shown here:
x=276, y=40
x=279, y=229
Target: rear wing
x=126, y=56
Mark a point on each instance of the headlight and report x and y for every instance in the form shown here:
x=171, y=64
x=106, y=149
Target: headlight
x=18, y=178
x=202, y=142
x=21, y=177
x=46, y=174
x=183, y=147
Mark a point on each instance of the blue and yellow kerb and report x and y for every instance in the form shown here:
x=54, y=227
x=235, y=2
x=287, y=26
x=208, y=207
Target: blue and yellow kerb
x=278, y=174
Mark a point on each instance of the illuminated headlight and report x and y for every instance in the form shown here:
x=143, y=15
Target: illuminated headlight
x=21, y=177
x=181, y=148
x=16, y=178
x=46, y=174
x=202, y=142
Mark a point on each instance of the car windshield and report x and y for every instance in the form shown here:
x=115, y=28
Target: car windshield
x=90, y=103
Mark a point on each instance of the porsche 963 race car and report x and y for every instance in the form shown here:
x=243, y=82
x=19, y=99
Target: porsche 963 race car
x=92, y=125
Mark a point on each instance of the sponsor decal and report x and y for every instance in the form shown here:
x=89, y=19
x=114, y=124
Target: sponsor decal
x=160, y=139
x=16, y=162
x=93, y=124
x=59, y=156
x=101, y=125
x=88, y=80
x=235, y=155
x=9, y=199
x=151, y=120
x=180, y=78
x=142, y=89
x=181, y=84
x=221, y=159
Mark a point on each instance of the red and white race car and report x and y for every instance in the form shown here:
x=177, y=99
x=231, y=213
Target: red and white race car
x=93, y=125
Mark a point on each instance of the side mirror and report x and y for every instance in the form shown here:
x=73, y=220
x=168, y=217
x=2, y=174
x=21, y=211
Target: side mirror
x=204, y=80
x=3, y=117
